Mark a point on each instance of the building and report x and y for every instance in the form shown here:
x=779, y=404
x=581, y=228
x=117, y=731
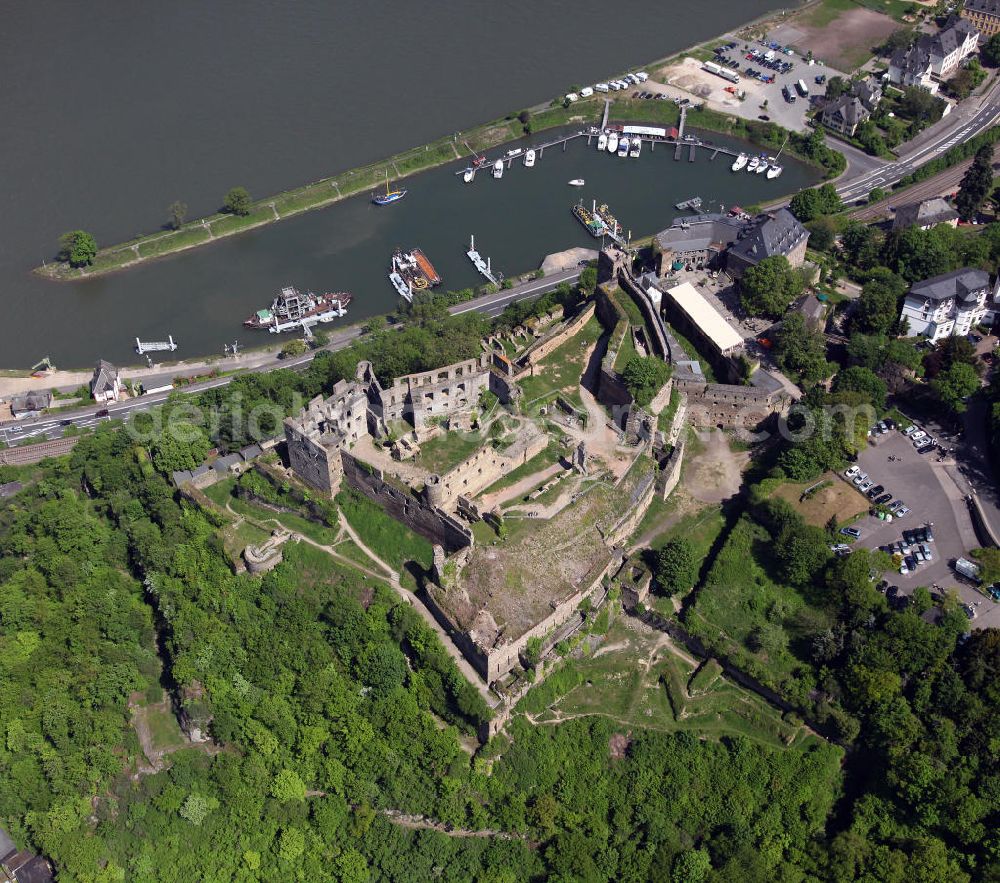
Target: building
x=934, y=58
x=984, y=16
x=30, y=404
x=850, y=110
x=106, y=384
x=925, y=214
x=774, y=234
x=950, y=304
x=700, y=317
x=698, y=241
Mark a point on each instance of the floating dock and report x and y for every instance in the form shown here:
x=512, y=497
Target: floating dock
x=477, y=259
x=694, y=203
x=155, y=346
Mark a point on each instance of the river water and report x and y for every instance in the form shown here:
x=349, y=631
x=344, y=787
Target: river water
x=112, y=111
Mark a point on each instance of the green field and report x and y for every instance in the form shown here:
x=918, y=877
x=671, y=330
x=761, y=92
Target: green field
x=747, y=616
x=561, y=370
x=447, y=450
x=638, y=680
x=386, y=537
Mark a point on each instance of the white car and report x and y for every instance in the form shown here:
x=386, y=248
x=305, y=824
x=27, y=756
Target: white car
x=901, y=511
x=919, y=434
x=925, y=549
x=866, y=485
x=909, y=431
x=852, y=471
x=863, y=477
x=904, y=568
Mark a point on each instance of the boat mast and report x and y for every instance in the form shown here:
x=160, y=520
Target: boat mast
x=781, y=148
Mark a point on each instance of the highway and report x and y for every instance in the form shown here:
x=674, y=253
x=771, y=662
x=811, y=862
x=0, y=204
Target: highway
x=50, y=426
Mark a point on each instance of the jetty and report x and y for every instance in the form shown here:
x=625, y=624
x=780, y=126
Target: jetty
x=477, y=259
x=693, y=204
x=155, y=346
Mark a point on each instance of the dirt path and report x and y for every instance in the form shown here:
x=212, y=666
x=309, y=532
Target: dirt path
x=519, y=488
x=415, y=822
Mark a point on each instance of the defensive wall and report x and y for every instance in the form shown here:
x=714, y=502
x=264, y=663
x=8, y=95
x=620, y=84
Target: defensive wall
x=728, y=405
x=535, y=353
x=428, y=520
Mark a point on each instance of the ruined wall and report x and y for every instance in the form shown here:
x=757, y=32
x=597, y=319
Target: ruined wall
x=318, y=465
x=417, y=397
x=740, y=407
x=486, y=466
x=670, y=472
x=626, y=525
x=428, y=521
x=540, y=349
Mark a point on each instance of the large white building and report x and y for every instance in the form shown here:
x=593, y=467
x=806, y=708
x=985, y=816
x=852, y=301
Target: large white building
x=933, y=59
x=951, y=304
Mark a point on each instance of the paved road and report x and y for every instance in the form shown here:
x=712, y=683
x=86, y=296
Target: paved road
x=52, y=427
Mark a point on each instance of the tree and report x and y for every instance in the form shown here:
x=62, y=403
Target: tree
x=197, y=808
x=822, y=233
x=644, y=376
x=921, y=106
x=769, y=287
x=293, y=348
x=177, y=212
x=835, y=87
x=676, y=566
x=954, y=385
x=78, y=248
x=691, y=866
x=588, y=281
x=877, y=310
x=863, y=380
x=901, y=38
x=288, y=786
x=811, y=203
x=876, y=194
x=862, y=245
x=990, y=51
x=800, y=351
x=977, y=182
x=237, y=201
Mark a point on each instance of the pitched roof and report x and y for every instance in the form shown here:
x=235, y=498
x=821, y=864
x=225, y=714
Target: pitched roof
x=989, y=7
x=775, y=234
x=959, y=284
x=31, y=401
x=850, y=108
x=700, y=232
x=927, y=212
x=104, y=377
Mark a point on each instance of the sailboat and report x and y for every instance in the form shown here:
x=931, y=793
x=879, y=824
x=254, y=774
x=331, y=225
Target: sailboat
x=389, y=196
x=776, y=169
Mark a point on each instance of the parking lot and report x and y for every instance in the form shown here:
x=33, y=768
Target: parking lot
x=923, y=483
x=788, y=114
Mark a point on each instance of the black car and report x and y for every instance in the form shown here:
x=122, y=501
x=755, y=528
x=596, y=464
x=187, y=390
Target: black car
x=926, y=449
x=875, y=491
x=764, y=117
x=883, y=499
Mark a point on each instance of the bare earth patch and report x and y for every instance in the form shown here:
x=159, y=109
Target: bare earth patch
x=715, y=473
x=618, y=745
x=843, y=42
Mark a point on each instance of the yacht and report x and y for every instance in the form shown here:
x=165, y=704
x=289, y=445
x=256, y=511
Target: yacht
x=529, y=159
x=762, y=167
x=468, y=175
x=774, y=170
x=399, y=283
x=636, y=147
x=602, y=141
x=613, y=142
x=498, y=169
x=740, y=162
x=623, y=146
x=752, y=165
x=577, y=182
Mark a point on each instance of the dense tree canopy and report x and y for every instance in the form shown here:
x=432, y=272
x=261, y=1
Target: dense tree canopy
x=78, y=248
x=768, y=288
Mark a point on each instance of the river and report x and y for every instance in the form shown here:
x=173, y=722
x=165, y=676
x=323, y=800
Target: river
x=112, y=112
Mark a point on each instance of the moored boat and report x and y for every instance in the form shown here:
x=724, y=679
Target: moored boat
x=752, y=165
x=623, y=144
x=740, y=162
x=468, y=175
x=602, y=141
x=577, y=182
x=498, y=169
x=401, y=286
x=294, y=309
x=529, y=159
x=390, y=196
x=636, y=147
x=774, y=171
x=613, y=142
x=594, y=225
x=415, y=267
x=762, y=166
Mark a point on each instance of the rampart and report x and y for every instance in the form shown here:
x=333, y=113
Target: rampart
x=486, y=466
x=429, y=521
x=545, y=345
x=730, y=406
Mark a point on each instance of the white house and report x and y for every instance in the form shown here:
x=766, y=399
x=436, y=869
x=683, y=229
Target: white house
x=106, y=384
x=951, y=304
x=932, y=59
x=993, y=306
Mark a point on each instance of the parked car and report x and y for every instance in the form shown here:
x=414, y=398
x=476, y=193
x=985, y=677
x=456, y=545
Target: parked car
x=851, y=532
x=908, y=432
x=875, y=491
x=899, y=504
x=901, y=511
x=882, y=499
x=859, y=479
x=925, y=550
x=851, y=471
x=917, y=436
x=866, y=485
x=904, y=567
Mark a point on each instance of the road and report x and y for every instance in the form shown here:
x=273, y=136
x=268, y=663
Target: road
x=52, y=427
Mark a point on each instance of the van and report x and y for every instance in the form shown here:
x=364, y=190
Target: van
x=586, y=92
x=642, y=76
x=572, y=96
x=632, y=78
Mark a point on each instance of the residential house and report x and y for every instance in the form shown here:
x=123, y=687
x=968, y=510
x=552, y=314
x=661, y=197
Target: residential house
x=30, y=404
x=934, y=58
x=850, y=110
x=983, y=15
x=925, y=214
x=950, y=304
x=106, y=384
x=779, y=233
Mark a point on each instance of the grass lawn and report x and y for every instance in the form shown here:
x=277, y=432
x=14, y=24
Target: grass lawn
x=447, y=450
x=636, y=679
x=833, y=498
x=666, y=416
x=552, y=453
x=639, y=110
x=739, y=606
x=266, y=518
x=386, y=537
x=164, y=729
x=180, y=239
x=232, y=223
x=562, y=369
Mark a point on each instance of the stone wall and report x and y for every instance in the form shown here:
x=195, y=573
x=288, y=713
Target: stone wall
x=429, y=521
x=670, y=472
x=731, y=406
x=642, y=496
x=486, y=466
x=418, y=397
x=540, y=349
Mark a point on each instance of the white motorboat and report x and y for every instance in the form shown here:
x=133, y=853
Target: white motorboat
x=636, y=148
x=740, y=162
x=576, y=182
x=468, y=175
x=399, y=283
x=623, y=144
x=762, y=166
x=529, y=159
x=774, y=171
x=498, y=169
x=752, y=165
x=602, y=141
x=613, y=142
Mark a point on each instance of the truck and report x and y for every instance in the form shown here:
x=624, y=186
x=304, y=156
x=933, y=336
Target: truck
x=803, y=90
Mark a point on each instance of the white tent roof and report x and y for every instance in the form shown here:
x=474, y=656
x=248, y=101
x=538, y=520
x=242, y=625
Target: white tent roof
x=705, y=316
